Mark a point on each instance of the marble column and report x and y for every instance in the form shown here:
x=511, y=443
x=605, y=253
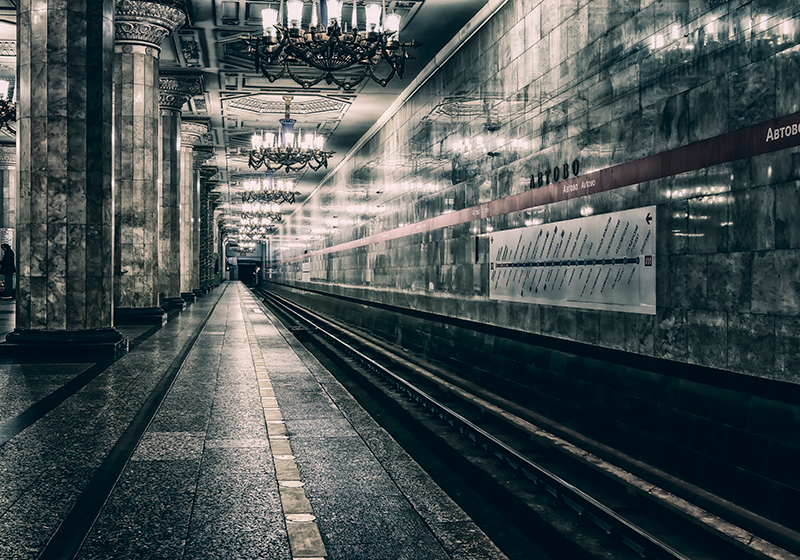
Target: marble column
x=213, y=221
x=64, y=218
x=202, y=154
x=174, y=92
x=207, y=185
x=140, y=28
x=191, y=133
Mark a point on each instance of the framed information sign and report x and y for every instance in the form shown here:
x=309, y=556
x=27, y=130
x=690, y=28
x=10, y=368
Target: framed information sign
x=597, y=262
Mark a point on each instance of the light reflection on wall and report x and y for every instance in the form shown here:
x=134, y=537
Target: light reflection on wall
x=443, y=153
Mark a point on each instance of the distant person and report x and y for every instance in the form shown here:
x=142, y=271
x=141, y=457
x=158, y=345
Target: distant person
x=7, y=268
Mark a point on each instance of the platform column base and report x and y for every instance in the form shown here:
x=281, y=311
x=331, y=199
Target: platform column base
x=173, y=304
x=140, y=316
x=87, y=345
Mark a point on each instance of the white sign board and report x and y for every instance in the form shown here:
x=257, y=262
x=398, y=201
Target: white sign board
x=598, y=262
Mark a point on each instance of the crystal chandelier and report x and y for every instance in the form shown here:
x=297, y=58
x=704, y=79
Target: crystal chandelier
x=286, y=149
x=260, y=214
x=329, y=45
x=256, y=233
x=269, y=189
x=247, y=247
x=8, y=109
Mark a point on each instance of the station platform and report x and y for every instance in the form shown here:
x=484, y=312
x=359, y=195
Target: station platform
x=217, y=436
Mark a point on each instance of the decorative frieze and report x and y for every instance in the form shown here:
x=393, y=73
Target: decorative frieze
x=145, y=23
x=8, y=48
x=175, y=91
x=8, y=156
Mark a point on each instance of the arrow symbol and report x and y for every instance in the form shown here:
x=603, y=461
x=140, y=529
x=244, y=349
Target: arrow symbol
x=648, y=218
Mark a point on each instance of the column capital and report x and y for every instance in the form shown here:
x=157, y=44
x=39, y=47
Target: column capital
x=208, y=189
x=175, y=91
x=207, y=172
x=201, y=155
x=139, y=22
x=192, y=132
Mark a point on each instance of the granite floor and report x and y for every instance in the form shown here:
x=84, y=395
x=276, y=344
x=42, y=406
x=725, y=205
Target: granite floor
x=255, y=452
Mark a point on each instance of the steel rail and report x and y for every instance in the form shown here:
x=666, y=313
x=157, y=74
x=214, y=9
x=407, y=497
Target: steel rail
x=633, y=536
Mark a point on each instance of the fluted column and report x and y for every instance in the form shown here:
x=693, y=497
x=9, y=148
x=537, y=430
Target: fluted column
x=191, y=132
x=174, y=92
x=64, y=215
x=140, y=27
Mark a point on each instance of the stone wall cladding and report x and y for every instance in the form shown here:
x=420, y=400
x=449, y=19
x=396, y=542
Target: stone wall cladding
x=605, y=83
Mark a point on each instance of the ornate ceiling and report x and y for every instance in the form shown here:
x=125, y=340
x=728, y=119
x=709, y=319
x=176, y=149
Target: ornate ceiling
x=207, y=54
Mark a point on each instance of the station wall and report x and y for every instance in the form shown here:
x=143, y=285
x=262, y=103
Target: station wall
x=603, y=83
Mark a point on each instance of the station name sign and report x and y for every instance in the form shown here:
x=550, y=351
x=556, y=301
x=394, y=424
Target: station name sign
x=558, y=183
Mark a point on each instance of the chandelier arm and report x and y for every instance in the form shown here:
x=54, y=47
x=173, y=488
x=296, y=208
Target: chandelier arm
x=253, y=161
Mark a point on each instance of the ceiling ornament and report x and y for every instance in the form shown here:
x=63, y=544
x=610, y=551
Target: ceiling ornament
x=330, y=45
x=286, y=149
x=267, y=107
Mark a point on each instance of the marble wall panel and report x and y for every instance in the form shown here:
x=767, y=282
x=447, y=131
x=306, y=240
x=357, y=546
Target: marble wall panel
x=752, y=219
x=612, y=330
x=775, y=286
x=769, y=169
x=751, y=343
x=707, y=338
x=670, y=334
x=729, y=282
x=787, y=85
x=787, y=226
x=787, y=348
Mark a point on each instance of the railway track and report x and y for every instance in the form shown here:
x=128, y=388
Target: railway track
x=580, y=504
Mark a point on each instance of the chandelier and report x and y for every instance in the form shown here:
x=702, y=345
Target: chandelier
x=286, y=149
x=329, y=45
x=8, y=109
x=269, y=190
x=260, y=214
x=247, y=247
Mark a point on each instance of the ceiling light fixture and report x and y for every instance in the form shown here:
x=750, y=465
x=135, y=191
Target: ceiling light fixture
x=286, y=149
x=260, y=214
x=329, y=45
x=269, y=189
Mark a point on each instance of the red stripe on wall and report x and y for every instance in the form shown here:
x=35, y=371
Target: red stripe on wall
x=758, y=139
